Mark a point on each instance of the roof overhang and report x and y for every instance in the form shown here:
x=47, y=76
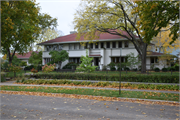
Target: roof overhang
x=102, y=40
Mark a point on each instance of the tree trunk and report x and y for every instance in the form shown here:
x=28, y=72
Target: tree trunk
x=143, y=58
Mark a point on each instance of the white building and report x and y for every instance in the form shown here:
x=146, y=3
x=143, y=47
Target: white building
x=104, y=50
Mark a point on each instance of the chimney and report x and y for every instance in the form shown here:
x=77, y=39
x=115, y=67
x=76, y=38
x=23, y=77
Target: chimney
x=71, y=32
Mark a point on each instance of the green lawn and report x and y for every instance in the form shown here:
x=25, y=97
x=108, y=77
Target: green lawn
x=95, y=92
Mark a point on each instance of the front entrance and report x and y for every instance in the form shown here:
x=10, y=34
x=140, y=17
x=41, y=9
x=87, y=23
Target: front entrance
x=96, y=61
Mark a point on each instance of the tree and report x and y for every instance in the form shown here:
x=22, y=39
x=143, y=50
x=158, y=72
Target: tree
x=112, y=17
x=46, y=35
x=35, y=59
x=155, y=15
x=132, y=61
x=21, y=24
x=23, y=63
x=115, y=17
x=16, y=61
x=85, y=66
x=166, y=59
x=163, y=40
x=59, y=56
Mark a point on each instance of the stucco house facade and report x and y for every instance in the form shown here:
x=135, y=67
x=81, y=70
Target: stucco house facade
x=107, y=48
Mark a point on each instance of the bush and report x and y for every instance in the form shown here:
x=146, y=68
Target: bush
x=126, y=68
x=156, y=69
x=176, y=66
x=112, y=68
x=3, y=78
x=104, y=67
x=112, y=64
x=29, y=67
x=164, y=69
x=69, y=65
x=135, y=69
x=171, y=68
x=34, y=70
x=49, y=68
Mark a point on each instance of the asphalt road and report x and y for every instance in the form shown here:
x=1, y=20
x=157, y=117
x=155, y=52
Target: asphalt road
x=45, y=108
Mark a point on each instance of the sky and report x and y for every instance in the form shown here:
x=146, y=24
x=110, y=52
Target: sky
x=63, y=10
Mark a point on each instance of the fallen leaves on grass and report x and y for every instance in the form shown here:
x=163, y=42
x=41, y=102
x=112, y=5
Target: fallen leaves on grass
x=100, y=98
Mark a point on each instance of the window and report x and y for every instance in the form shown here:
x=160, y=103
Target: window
x=152, y=60
x=47, y=48
x=50, y=48
x=81, y=46
x=114, y=44
x=75, y=60
x=117, y=59
x=96, y=45
x=120, y=44
x=76, y=46
x=107, y=44
x=54, y=47
x=113, y=59
x=60, y=47
x=91, y=45
x=86, y=46
x=71, y=46
x=156, y=60
x=126, y=44
x=102, y=45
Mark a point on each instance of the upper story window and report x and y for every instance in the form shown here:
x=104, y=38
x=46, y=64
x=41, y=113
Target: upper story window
x=102, y=45
x=91, y=45
x=60, y=47
x=107, y=44
x=96, y=45
x=47, y=48
x=119, y=44
x=126, y=44
x=76, y=46
x=71, y=46
x=81, y=46
x=54, y=47
x=86, y=46
x=114, y=44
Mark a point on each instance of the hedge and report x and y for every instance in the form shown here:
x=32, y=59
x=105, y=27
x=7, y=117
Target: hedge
x=105, y=77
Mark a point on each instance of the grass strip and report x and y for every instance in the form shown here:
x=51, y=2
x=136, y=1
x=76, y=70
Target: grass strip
x=96, y=92
x=103, y=84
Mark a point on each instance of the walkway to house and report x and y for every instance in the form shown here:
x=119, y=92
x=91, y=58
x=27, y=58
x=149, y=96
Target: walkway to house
x=12, y=83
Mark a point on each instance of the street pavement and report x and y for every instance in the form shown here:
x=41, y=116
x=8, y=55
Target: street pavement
x=52, y=108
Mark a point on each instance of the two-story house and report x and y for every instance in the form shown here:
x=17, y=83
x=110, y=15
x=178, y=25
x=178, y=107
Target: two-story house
x=107, y=48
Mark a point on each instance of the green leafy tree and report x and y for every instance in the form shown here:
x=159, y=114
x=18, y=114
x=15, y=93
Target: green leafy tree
x=23, y=63
x=16, y=61
x=35, y=59
x=21, y=24
x=155, y=15
x=59, y=56
x=86, y=65
x=132, y=61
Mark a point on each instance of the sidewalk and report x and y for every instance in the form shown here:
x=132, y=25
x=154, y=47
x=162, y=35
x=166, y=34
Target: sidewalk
x=11, y=83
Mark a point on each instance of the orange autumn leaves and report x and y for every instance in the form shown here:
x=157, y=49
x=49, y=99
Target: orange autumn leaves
x=100, y=98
